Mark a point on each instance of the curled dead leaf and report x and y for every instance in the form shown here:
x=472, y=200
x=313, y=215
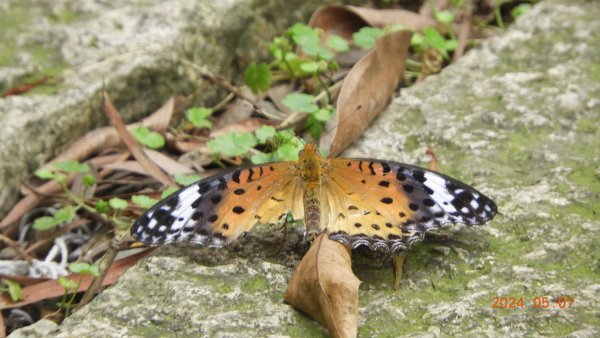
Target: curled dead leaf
x=367, y=89
x=324, y=287
x=345, y=20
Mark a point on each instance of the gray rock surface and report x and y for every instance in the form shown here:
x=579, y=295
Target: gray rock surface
x=132, y=48
x=518, y=118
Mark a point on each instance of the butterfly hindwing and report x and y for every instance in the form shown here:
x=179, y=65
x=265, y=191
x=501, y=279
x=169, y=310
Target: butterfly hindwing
x=381, y=204
x=216, y=210
x=410, y=199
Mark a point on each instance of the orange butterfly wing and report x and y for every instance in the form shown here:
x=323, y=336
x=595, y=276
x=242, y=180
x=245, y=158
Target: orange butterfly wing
x=381, y=204
x=387, y=205
x=216, y=210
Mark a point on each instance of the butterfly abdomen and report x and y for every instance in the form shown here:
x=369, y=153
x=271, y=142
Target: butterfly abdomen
x=311, y=169
x=312, y=211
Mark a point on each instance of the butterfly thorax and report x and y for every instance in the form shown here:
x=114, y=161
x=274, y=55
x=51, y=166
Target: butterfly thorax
x=311, y=166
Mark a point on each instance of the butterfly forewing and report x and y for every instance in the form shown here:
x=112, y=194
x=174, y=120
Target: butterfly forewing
x=410, y=199
x=216, y=210
x=381, y=204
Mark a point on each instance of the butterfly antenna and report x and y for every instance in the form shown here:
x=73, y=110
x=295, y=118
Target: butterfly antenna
x=296, y=136
x=327, y=131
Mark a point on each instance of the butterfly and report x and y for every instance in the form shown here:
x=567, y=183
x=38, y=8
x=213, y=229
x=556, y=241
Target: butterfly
x=383, y=205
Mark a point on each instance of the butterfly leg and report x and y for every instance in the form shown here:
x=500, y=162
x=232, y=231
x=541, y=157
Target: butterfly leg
x=284, y=229
x=398, y=262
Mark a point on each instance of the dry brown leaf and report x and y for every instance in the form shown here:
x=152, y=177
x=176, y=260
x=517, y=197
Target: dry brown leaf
x=24, y=88
x=91, y=143
x=51, y=288
x=367, y=89
x=32, y=198
x=133, y=145
x=248, y=125
x=187, y=146
x=345, y=20
x=23, y=280
x=277, y=93
x=324, y=287
x=2, y=326
x=100, y=139
x=237, y=110
x=169, y=165
x=434, y=163
x=131, y=166
x=162, y=117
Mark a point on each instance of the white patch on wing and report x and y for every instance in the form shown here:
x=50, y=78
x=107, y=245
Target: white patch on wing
x=183, y=211
x=474, y=204
x=151, y=224
x=437, y=180
x=192, y=190
x=436, y=208
x=440, y=193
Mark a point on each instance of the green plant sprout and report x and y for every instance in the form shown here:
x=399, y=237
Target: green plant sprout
x=316, y=59
x=186, y=179
x=258, y=77
x=317, y=116
x=432, y=39
x=147, y=137
x=520, y=10
x=168, y=192
x=366, y=37
x=13, y=288
x=198, y=116
x=70, y=285
x=67, y=213
x=284, y=143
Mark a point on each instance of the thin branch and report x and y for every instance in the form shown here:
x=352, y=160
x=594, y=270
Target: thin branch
x=464, y=31
x=15, y=246
x=225, y=84
x=105, y=264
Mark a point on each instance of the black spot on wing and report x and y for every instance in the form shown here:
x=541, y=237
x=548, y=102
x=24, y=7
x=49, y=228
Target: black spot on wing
x=236, y=176
x=371, y=168
x=187, y=213
x=433, y=205
x=385, y=168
